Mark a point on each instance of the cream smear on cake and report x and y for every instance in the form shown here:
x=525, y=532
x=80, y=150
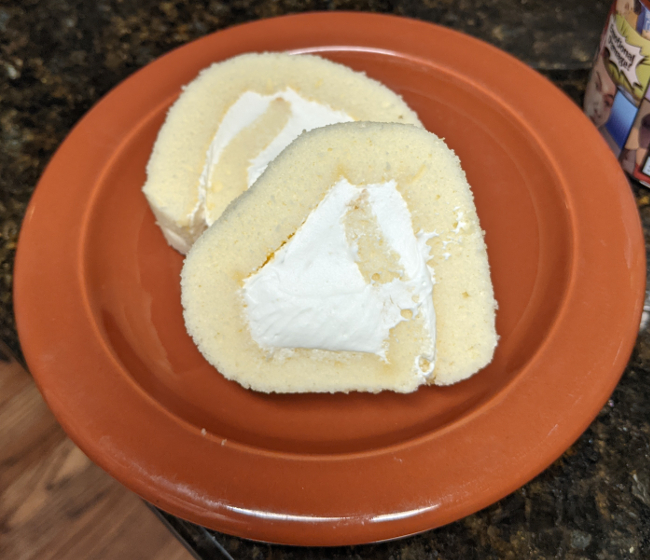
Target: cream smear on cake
x=305, y=115
x=312, y=294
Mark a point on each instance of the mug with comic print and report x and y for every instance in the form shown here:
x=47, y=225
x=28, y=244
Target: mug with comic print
x=617, y=98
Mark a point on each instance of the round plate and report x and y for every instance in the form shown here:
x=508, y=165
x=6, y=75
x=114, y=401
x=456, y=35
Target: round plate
x=97, y=300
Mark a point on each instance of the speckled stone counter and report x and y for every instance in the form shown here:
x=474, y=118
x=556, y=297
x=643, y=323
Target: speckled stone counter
x=58, y=57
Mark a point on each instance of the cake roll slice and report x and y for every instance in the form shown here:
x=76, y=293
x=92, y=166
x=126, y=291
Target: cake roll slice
x=356, y=262
x=238, y=115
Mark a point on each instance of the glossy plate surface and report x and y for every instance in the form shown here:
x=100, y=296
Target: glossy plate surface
x=97, y=300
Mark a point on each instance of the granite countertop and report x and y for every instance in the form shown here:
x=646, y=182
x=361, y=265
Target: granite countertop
x=58, y=57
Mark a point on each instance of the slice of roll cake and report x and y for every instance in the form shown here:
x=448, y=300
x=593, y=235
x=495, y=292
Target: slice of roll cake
x=356, y=262
x=238, y=115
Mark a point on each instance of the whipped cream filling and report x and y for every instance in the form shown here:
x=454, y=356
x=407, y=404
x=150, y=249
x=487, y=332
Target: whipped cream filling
x=312, y=294
x=305, y=115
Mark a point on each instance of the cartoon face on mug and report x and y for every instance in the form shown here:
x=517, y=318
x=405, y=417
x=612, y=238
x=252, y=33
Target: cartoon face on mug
x=624, y=7
x=599, y=96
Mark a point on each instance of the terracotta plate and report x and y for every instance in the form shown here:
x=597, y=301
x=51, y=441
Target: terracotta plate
x=99, y=317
